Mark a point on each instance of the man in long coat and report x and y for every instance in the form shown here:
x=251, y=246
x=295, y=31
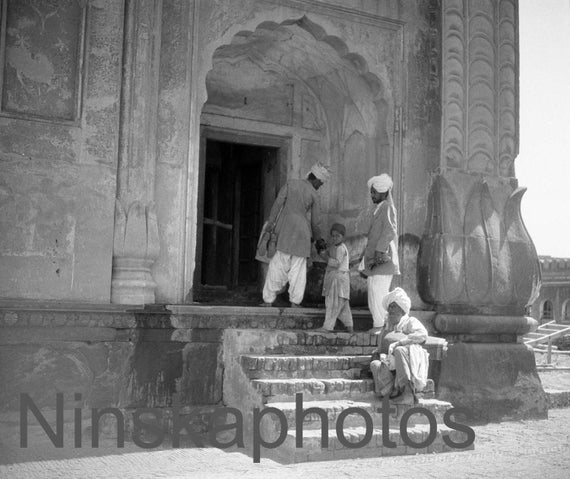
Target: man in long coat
x=380, y=260
x=296, y=201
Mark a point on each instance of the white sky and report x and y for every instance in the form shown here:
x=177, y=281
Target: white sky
x=543, y=164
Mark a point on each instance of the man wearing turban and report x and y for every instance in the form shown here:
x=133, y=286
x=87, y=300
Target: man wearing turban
x=406, y=357
x=380, y=261
x=296, y=201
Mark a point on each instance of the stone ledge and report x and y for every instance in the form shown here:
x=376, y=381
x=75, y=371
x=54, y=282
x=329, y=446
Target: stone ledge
x=312, y=451
x=333, y=408
x=25, y=313
x=472, y=325
x=41, y=335
x=557, y=399
x=29, y=305
x=48, y=318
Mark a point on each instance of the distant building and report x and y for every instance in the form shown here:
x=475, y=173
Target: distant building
x=553, y=302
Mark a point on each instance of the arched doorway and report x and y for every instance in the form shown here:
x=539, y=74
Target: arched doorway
x=546, y=312
x=288, y=95
x=566, y=311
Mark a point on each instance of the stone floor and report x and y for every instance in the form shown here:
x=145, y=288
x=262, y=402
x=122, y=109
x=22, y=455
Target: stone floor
x=526, y=449
x=529, y=449
x=555, y=380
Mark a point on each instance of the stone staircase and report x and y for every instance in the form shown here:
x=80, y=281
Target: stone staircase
x=294, y=370
x=545, y=333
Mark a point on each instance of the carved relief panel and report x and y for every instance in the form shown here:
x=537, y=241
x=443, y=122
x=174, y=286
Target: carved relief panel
x=480, y=91
x=42, y=58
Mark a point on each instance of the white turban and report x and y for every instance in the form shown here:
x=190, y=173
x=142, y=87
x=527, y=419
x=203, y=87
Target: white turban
x=381, y=183
x=399, y=297
x=321, y=172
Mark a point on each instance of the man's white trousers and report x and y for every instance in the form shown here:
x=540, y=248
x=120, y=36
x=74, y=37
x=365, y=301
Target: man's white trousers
x=378, y=287
x=285, y=268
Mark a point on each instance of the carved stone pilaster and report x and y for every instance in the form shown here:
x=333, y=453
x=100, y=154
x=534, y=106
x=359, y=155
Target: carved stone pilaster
x=136, y=241
x=480, y=85
x=477, y=264
x=135, y=249
x=476, y=255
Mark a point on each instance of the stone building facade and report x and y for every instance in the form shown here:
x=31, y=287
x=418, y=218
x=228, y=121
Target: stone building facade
x=143, y=141
x=113, y=134
x=553, y=303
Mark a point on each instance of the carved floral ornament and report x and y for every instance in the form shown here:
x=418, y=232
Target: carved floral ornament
x=476, y=250
x=136, y=231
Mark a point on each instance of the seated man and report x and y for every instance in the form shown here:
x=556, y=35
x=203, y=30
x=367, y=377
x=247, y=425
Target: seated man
x=406, y=358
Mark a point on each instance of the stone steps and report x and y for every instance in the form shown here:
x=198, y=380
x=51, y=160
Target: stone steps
x=307, y=342
x=329, y=372
x=278, y=390
x=363, y=446
x=334, y=408
x=287, y=366
x=202, y=316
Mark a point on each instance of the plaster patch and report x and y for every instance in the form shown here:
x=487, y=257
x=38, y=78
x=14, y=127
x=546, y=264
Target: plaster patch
x=36, y=68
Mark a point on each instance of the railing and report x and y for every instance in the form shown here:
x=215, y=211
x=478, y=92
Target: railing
x=546, y=333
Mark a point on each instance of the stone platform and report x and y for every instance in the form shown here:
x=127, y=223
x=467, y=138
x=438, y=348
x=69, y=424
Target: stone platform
x=293, y=371
x=199, y=358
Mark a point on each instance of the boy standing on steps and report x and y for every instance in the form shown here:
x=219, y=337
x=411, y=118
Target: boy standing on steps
x=336, y=285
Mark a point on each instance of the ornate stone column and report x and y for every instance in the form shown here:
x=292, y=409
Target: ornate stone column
x=477, y=264
x=136, y=242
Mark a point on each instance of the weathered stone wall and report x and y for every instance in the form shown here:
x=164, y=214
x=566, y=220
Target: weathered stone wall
x=101, y=127
x=59, y=119
x=357, y=85
x=84, y=350
x=100, y=356
x=113, y=356
x=555, y=288
x=351, y=84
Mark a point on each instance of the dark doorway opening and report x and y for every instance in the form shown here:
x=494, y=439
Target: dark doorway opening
x=236, y=177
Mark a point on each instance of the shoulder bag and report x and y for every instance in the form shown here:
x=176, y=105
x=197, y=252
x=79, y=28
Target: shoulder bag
x=267, y=244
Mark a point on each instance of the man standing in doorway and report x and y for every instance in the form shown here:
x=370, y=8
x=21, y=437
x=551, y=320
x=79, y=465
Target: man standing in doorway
x=289, y=215
x=380, y=260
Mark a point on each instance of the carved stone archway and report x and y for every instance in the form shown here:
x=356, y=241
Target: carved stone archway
x=293, y=81
x=306, y=84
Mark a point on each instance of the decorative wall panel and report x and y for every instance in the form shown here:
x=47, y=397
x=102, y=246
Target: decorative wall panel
x=480, y=90
x=42, y=56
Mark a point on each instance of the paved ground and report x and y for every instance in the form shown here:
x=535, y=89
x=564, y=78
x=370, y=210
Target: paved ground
x=521, y=449
x=555, y=380
x=525, y=449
